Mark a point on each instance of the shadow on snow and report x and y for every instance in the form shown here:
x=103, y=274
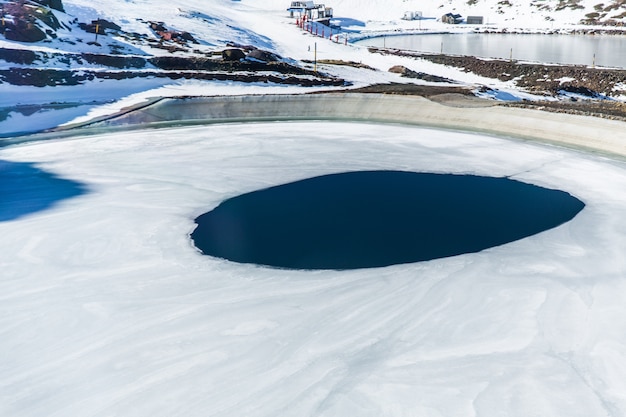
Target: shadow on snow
x=26, y=189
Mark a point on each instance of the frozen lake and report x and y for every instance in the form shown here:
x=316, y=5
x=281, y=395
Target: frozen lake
x=109, y=309
x=606, y=50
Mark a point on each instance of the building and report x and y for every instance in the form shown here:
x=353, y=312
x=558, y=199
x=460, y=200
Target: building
x=451, y=18
x=474, y=20
x=310, y=10
x=410, y=15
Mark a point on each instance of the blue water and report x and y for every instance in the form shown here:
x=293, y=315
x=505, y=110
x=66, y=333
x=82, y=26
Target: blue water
x=377, y=218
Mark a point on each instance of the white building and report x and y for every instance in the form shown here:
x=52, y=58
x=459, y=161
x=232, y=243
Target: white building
x=309, y=9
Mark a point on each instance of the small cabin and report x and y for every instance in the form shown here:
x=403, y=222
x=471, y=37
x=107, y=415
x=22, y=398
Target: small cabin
x=452, y=18
x=474, y=20
x=310, y=10
x=410, y=15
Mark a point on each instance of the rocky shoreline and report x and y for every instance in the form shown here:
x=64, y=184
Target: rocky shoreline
x=549, y=80
x=573, y=89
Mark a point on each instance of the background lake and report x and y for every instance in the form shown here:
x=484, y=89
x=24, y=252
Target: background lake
x=609, y=50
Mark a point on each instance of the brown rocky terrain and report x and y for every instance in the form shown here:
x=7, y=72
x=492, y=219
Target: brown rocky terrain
x=549, y=80
x=264, y=67
x=591, y=89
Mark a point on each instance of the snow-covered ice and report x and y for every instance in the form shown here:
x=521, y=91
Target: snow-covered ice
x=108, y=309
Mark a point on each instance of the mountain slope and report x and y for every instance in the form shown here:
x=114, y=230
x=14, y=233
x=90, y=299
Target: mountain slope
x=248, y=22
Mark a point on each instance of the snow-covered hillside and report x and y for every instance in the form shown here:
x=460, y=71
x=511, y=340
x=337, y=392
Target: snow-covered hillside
x=499, y=12
x=93, y=53
x=252, y=22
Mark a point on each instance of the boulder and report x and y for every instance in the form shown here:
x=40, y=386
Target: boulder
x=263, y=56
x=100, y=26
x=186, y=36
x=233, y=54
x=57, y=5
x=53, y=4
x=24, y=33
x=398, y=69
x=158, y=27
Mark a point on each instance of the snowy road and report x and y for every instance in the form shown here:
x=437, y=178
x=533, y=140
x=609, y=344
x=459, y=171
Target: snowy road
x=106, y=308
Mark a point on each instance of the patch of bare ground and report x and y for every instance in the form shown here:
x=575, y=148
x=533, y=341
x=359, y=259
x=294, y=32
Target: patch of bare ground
x=173, y=67
x=340, y=62
x=595, y=86
x=413, y=89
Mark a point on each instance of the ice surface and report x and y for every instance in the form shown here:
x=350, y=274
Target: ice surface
x=107, y=308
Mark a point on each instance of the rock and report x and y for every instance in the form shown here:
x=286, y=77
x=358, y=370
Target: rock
x=105, y=24
x=56, y=4
x=48, y=18
x=53, y=4
x=233, y=54
x=581, y=90
x=186, y=36
x=263, y=56
x=398, y=69
x=99, y=26
x=24, y=33
x=158, y=27
x=114, y=61
x=406, y=72
x=18, y=56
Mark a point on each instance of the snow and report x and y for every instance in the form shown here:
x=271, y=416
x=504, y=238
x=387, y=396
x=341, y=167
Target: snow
x=107, y=309
x=52, y=106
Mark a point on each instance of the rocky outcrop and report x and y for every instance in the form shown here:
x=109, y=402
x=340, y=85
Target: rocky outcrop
x=27, y=23
x=99, y=26
x=233, y=54
x=406, y=72
x=262, y=56
x=22, y=31
x=53, y=4
x=53, y=77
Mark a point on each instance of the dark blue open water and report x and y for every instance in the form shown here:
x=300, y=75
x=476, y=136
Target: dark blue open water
x=377, y=218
